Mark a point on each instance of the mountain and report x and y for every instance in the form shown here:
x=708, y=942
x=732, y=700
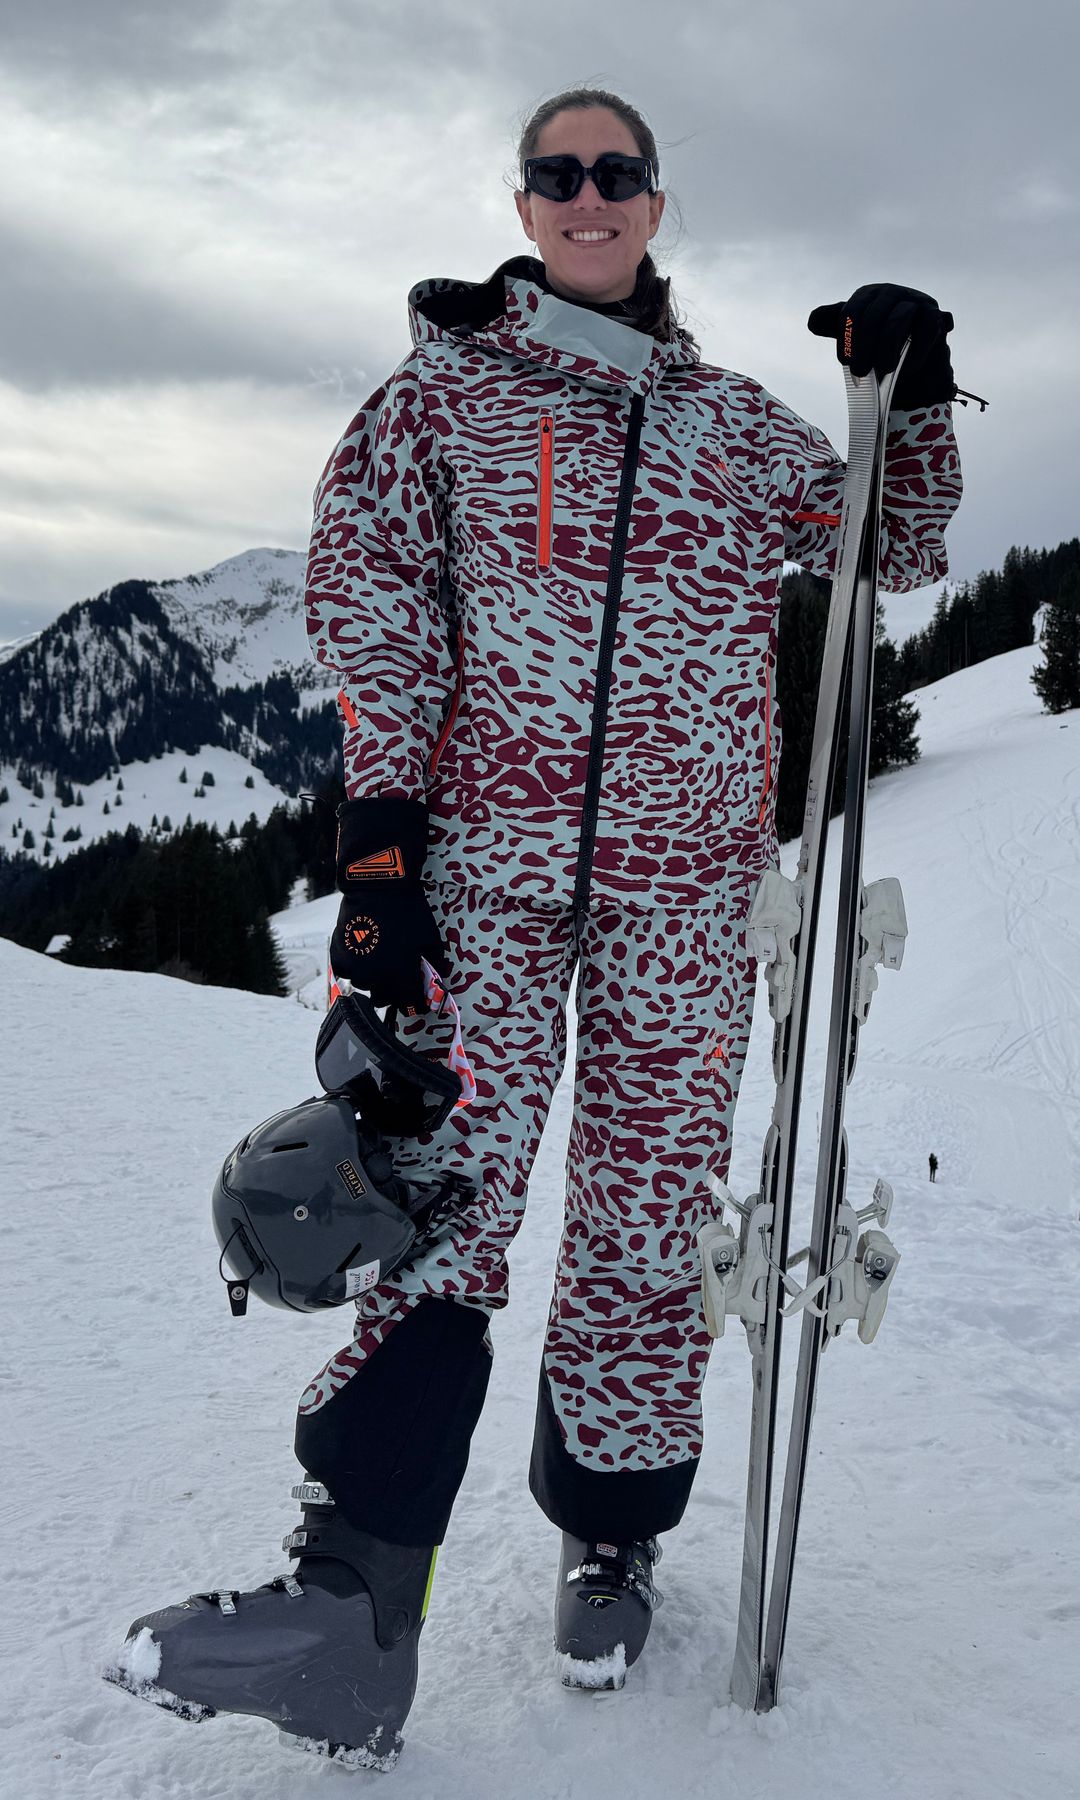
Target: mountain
x=936, y=1586
x=214, y=668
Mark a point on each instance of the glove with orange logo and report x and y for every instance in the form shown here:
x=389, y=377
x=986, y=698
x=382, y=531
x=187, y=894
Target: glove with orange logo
x=870, y=328
x=385, y=924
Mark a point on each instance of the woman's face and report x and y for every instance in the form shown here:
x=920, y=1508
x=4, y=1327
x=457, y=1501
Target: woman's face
x=593, y=268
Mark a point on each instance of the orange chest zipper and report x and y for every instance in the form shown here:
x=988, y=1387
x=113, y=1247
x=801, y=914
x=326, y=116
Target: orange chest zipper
x=545, y=484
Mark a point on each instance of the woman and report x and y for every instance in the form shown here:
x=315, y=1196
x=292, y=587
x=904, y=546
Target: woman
x=545, y=565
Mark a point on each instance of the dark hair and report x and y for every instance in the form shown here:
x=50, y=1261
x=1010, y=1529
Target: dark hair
x=650, y=306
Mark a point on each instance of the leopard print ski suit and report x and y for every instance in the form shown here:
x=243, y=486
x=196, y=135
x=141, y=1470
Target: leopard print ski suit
x=545, y=564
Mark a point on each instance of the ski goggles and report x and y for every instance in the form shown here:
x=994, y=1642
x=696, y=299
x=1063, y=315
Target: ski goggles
x=399, y=1091
x=615, y=177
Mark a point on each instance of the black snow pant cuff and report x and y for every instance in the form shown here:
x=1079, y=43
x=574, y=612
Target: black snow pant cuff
x=392, y=1445
x=623, y=1505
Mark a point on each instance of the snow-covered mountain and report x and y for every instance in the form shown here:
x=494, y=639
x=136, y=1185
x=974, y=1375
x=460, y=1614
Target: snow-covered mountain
x=212, y=673
x=933, y=1649
x=245, y=616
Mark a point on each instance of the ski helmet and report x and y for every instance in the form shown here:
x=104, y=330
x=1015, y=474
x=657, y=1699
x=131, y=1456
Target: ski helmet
x=308, y=1209
x=309, y=1213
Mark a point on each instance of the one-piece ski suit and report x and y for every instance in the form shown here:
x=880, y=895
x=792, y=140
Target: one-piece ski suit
x=545, y=565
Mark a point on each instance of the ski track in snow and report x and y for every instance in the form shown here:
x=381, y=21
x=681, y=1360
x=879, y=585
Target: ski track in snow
x=934, y=1645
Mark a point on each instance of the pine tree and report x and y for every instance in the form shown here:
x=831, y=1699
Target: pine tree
x=4, y=796
x=208, y=778
x=250, y=782
x=892, y=739
x=105, y=808
x=263, y=969
x=1057, y=679
x=183, y=774
x=804, y=609
x=28, y=840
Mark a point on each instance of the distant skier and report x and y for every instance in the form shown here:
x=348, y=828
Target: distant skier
x=545, y=569
x=933, y=1166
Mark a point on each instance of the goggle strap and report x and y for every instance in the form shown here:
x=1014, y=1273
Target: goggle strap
x=439, y=996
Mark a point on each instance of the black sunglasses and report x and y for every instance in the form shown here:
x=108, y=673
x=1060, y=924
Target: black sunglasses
x=615, y=177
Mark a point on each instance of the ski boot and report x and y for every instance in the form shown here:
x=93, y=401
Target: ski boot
x=603, y=1609
x=328, y=1654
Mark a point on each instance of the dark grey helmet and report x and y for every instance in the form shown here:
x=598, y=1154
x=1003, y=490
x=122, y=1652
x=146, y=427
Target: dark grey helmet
x=309, y=1212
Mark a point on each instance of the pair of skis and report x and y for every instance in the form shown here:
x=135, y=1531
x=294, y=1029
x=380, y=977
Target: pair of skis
x=747, y=1270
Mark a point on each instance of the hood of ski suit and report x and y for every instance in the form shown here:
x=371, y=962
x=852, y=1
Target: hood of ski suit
x=493, y=656
x=514, y=314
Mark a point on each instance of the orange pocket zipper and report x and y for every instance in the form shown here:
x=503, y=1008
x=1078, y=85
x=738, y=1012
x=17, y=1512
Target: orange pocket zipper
x=454, y=704
x=544, y=490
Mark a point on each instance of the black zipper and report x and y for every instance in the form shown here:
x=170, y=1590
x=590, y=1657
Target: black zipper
x=612, y=599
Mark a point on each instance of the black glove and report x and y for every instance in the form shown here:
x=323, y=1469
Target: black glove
x=385, y=924
x=870, y=331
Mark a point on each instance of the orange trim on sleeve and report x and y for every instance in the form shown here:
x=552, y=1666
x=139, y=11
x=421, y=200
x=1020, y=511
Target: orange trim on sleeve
x=348, y=710
x=812, y=518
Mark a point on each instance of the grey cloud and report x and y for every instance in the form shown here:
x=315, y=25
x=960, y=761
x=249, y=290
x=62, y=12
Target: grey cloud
x=935, y=144
x=115, y=42
x=70, y=319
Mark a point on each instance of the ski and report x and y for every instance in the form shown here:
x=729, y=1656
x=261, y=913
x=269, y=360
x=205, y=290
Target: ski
x=750, y=1274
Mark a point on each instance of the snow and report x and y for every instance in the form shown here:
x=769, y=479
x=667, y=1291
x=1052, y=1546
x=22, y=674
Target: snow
x=247, y=616
x=933, y=1648
x=303, y=937
x=346, y=1759
x=596, y=1672
x=150, y=789
x=140, y=1657
x=13, y=646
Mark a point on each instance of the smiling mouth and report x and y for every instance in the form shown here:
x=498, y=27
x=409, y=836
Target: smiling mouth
x=595, y=235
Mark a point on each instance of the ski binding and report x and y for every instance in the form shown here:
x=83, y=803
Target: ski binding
x=735, y=1269
x=856, y=1284
x=883, y=933
x=772, y=926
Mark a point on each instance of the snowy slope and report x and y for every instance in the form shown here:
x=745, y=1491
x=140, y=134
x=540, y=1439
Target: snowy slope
x=933, y=1649
x=151, y=790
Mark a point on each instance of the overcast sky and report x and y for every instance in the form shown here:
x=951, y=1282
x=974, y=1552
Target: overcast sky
x=211, y=214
